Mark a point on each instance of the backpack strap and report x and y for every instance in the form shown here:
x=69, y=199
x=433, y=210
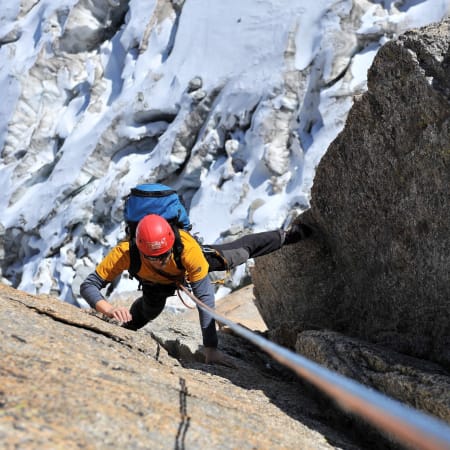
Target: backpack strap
x=135, y=260
x=177, y=247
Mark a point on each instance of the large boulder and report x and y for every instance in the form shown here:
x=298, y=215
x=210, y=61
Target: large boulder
x=420, y=384
x=378, y=265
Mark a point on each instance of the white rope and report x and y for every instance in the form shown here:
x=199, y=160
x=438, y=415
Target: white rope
x=407, y=425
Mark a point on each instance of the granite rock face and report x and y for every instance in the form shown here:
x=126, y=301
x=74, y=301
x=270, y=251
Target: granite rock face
x=378, y=266
x=420, y=384
x=71, y=380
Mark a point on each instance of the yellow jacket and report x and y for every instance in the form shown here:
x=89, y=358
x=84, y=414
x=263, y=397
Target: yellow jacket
x=192, y=258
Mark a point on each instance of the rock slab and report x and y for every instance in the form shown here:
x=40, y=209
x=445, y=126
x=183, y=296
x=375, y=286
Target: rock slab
x=70, y=380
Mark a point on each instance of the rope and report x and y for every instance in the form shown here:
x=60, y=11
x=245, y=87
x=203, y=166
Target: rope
x=182, y=300
x=409, y=426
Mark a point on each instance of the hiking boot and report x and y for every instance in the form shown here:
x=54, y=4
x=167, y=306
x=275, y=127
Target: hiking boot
x=297, y=232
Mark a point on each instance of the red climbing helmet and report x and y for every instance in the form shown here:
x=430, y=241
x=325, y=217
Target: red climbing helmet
x=154, y=235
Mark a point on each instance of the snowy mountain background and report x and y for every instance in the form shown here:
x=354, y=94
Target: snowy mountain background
x=231, y=102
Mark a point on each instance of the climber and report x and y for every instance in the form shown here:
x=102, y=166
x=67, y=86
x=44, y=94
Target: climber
x=168, y=256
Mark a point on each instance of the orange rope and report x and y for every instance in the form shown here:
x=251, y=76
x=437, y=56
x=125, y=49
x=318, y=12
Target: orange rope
x=182, y=301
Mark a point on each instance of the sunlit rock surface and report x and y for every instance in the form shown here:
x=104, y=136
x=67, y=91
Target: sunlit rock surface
x=71, y=380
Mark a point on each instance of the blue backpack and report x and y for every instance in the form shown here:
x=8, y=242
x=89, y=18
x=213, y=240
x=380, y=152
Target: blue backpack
x=158, y=199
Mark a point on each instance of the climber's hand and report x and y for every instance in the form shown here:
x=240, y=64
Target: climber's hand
x=120, y=313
